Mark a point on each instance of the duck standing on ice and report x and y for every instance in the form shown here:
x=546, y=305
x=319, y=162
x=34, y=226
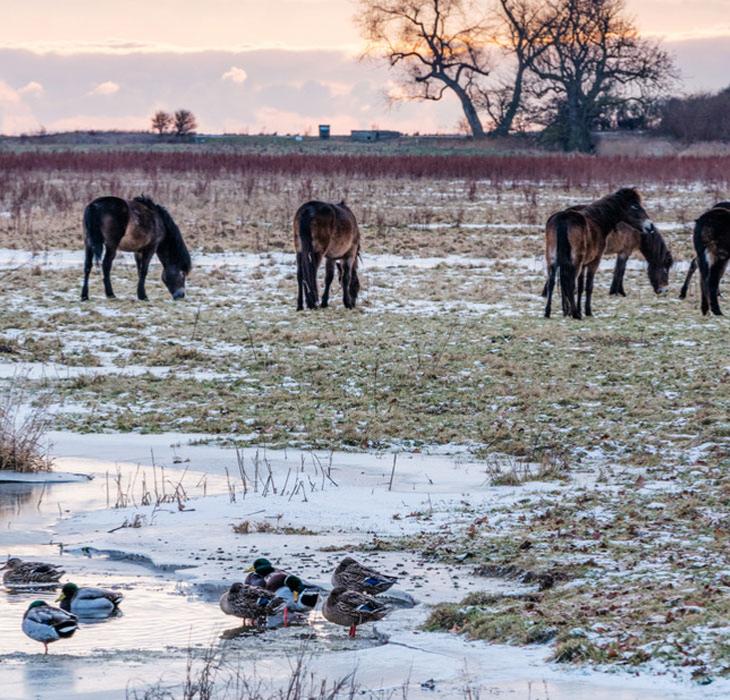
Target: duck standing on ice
x=354, y=576
x=352, y=608
x=46, y=624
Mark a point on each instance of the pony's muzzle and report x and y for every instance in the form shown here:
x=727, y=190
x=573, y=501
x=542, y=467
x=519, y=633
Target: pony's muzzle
x=178, y=294
x=649, y=226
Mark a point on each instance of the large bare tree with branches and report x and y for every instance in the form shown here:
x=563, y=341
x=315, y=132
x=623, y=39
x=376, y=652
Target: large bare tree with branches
x=437, y=45
x=521, y=30
x=595, y=62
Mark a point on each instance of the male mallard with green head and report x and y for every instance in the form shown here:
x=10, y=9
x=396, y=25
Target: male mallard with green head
x=89, y=602
x=257, y=574
x=352, y=608
x=30, y=574
x=354, y=576
x=46, y=624
x=250, y=603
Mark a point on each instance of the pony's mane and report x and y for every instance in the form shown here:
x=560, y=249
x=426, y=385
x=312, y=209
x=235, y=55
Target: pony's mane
x=603, y=210
x=147, y=201
x=173, y=242
x=654, y=249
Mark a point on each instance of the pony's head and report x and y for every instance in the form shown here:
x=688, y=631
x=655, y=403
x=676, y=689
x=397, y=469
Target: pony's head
x=633, y=210
x=173, y=277
x=659, y=260
x=174, y=256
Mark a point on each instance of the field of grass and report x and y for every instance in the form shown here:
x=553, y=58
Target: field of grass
x=624, y=416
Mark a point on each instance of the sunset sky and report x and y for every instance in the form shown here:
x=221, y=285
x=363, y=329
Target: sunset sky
x=248, y=65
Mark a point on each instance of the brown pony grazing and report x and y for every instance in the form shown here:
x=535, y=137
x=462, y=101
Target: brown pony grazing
x=712, y=245
x=693, y=264
x=575, y=239
x=323, y=230
x=139, y=226
x=624, y=241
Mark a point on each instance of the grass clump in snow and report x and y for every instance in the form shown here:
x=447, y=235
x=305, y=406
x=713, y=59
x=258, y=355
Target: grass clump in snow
x=22, y=429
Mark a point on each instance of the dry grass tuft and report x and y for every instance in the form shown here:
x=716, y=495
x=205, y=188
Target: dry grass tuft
x=22, y=429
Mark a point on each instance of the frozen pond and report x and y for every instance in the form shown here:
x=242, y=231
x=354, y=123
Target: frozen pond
x=173, y=568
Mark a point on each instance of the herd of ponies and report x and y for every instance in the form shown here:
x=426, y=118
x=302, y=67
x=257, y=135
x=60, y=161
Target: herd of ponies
x=576, y=239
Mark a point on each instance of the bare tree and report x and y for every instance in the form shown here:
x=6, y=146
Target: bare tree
x=438, y=45
x=521, y=29
x=595, y=62
x=184, y=124
x=161, y=122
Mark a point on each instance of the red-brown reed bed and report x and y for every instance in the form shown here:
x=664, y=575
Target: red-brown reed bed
x=564, y=170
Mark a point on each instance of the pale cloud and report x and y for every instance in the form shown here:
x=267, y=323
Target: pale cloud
x=32, y=88
x=235, y=75
x=108, y=87
x=15, y=116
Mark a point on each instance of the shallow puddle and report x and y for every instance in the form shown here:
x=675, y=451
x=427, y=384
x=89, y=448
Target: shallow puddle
x=158, y=615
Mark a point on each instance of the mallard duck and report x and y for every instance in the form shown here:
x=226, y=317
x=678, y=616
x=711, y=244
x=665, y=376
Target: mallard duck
x=298, y=598
x=258, y=573
x=89, y=602
x=30, y=574
x=281, y=579
x=352, y=608
x=354, y=576
x=47, y=624
x=250, y=603
x=304, y=596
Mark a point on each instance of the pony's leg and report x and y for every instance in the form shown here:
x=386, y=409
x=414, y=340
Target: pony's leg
x=88, y=264
x=713, y=285
x=142, y=259
x=348, y=265
x=329, y=275
x=544, y=292
x=705, y=305
x=589, y=287
x=579, y=301
x=354, y=286
x=688, y=278
x=617, y=284
x=300, y=284
x=549, y=287
x=106, y=268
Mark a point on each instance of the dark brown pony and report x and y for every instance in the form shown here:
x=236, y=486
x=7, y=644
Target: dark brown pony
x=575, y=239
x=624, y=241
x=712, y=245
x=139, y=226
x=323, y=230
x=693, y=264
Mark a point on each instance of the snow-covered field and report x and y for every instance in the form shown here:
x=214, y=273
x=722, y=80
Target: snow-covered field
x=544, y=489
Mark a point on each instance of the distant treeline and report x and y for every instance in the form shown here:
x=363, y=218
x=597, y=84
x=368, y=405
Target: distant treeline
x=703, y=117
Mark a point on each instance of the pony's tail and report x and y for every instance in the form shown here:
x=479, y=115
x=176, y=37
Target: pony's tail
x=309, y=270
x=567, y=269
x=92, y=233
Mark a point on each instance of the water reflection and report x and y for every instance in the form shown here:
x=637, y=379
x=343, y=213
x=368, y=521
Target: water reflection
x=15, y=498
